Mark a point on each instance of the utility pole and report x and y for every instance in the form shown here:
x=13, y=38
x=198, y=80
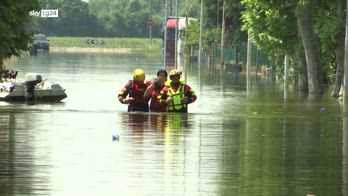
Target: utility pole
x=200, y=54
x=249, y=53
x=186, y=37
x=345, y=98
x=176, y=34
x=218, y=13
x=248, y=68
x=165, y=36
x=150, y=25
x=217, y=19
x=171, y=8
x=223, y=35
x=286, y=76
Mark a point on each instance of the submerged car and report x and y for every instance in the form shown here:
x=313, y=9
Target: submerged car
x=40, y=41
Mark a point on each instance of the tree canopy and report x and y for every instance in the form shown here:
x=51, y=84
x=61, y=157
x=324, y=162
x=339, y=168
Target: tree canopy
x=14, y=17
x=108, y=18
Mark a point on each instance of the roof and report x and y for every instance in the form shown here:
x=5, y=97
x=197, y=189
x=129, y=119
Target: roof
x=171, y=23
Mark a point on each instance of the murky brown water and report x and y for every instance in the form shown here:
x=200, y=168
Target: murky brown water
x=231, y=142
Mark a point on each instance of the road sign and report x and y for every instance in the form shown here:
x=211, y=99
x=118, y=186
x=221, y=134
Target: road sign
x=150, y=22
x=95, y=42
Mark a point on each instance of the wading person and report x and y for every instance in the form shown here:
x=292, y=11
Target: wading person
x=177, y=95
x=135, y=90
x=153, y=91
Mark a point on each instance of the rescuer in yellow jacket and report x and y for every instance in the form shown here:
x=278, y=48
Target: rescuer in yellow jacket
x=177, y=95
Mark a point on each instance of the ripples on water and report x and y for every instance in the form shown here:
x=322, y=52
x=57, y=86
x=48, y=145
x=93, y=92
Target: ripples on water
x=231, y=142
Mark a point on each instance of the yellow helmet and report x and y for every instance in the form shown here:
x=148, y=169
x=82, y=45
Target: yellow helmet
x=139, y=75
x=174, y=72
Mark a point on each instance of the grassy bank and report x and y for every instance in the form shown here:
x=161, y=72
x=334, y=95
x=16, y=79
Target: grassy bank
x=109, y=43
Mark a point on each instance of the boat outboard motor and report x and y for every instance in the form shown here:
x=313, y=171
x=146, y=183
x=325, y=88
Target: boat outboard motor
x=31, y=80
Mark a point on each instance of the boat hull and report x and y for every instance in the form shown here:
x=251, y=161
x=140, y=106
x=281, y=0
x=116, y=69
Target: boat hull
x=53, y=94
x=52, y=98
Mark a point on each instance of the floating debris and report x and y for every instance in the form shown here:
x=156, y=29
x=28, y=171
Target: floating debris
x=323, y=110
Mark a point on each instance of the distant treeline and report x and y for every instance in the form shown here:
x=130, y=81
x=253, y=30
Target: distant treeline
x=106, y=18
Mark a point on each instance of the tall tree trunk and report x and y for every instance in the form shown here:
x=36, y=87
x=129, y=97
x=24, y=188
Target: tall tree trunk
x=302, y=71
x=339, y=49
x=304, y=15
x=339, y=53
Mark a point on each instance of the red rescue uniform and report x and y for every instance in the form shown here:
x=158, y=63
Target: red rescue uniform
x=155, y=103
x=136, y=91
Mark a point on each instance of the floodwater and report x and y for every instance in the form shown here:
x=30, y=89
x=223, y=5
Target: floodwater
x=232, y=141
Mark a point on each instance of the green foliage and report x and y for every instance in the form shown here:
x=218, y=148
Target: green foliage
x=329, y=27
x=273, y=26
x=14, y=16
x=210, y=35
x=274, y=30
x=193, y=8
x=75, y=19
x=108, y=18
x=193, y=33
x=127, y=18
x=233, y=23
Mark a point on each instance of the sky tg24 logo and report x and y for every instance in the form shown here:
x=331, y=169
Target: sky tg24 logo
x=47, y=13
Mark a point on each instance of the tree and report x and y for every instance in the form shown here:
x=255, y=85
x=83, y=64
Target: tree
x=14, y=16
x=304, y=14
x=319, y=27
x=233, y=23
x=75, y=19
x=126, y=18
x=275, y=31
x=330, y=28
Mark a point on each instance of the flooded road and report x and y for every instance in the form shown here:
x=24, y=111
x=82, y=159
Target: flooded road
x=232, y=142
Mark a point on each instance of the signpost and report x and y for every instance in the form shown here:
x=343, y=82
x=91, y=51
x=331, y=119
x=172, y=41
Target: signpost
x=150, y=23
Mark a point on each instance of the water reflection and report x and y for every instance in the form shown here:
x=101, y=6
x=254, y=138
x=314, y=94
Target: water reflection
x=290, y=157
x=166, y=128
x=159, y=152
x=345, y=156
x=20, y=160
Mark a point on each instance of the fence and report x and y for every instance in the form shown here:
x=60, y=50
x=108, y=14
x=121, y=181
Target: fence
x=230, y=56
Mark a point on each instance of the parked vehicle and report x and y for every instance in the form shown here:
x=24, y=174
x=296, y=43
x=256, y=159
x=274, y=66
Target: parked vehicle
x=40, y=42
x=168, y=41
